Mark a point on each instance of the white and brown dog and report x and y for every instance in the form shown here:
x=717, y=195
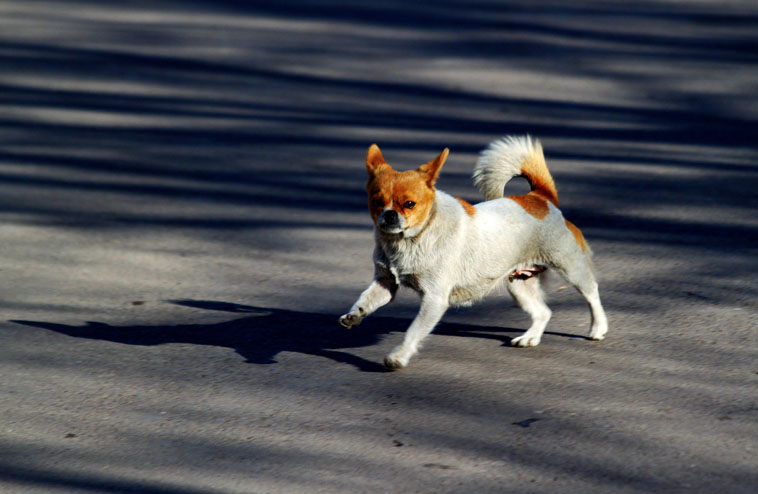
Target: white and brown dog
x=454, y=253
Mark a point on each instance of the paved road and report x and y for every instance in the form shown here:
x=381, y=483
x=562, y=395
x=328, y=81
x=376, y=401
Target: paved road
x=183, y=220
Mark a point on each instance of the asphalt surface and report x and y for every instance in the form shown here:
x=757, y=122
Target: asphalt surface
x=183, y=220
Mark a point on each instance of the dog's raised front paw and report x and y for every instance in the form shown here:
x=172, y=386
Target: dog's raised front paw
x=526, y=340
x=350, y=320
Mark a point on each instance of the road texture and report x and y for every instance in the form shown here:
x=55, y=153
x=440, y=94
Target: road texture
x=183, y=220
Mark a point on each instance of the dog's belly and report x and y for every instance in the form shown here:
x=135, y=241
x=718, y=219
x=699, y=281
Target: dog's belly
x=468, y=294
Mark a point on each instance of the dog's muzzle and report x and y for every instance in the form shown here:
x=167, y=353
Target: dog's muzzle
x=389, y=222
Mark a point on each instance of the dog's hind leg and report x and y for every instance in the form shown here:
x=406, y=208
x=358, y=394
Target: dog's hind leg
x=599, y=322
x=528, y=295
x=579, y=274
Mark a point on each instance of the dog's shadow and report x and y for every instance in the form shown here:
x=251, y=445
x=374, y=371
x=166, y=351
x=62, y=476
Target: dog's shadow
x=263, y=333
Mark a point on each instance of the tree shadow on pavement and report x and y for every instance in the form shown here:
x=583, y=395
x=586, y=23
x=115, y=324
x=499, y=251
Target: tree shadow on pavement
x=263, y=333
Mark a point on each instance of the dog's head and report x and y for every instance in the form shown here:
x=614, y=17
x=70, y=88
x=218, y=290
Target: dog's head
x=400, y=202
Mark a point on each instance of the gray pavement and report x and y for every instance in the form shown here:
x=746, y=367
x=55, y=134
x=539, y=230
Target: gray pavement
x=182, y=220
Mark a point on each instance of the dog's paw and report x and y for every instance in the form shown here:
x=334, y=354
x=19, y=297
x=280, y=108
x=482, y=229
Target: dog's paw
x=350, y=320
x=394, y=363
x=597, y=334
x=526, y=340
x=397, y=359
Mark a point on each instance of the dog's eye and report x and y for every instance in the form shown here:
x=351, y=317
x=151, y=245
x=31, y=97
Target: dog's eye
x=409, y=204
x=377, y=203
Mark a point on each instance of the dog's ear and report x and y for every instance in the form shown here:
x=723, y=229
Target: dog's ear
x=432, y=169
x=374, y=159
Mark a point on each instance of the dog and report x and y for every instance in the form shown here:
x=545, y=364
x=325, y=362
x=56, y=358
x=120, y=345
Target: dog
x=453, y=253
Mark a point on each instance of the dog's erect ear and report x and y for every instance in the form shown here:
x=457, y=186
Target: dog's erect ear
x=374, y=159
x=432, y=169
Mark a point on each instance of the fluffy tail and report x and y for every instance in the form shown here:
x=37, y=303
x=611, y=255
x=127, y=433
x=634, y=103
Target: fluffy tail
x=510, y=157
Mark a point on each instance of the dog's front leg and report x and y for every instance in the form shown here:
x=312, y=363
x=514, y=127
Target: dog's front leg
x=380, y=292
x=432, y=310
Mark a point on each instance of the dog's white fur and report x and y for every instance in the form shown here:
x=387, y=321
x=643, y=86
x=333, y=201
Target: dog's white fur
x=456, y=258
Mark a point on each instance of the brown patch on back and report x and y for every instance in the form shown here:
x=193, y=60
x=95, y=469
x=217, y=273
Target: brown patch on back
x=577, y=235
x=533, y=203
x=470, y=210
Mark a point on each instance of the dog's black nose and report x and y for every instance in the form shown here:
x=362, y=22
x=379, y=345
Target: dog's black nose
x=389, y=219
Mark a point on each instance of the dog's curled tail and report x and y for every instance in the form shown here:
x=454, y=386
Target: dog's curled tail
x=509, y=157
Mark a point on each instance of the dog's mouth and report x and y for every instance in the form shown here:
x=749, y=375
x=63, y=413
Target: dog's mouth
x=391, y=231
